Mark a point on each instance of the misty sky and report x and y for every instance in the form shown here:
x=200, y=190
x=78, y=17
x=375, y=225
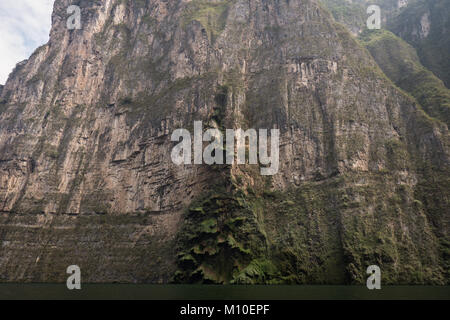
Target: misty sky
x=24, y=25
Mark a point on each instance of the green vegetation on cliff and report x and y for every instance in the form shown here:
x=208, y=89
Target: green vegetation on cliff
x=400, y=63
x=319, y=233
x=211, y=15
x=425, y=24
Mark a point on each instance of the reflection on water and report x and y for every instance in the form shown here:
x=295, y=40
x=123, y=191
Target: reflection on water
x=203, y=292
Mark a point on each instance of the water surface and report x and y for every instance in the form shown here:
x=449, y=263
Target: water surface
x=206, y=292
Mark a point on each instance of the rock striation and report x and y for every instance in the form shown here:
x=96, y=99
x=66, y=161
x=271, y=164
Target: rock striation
x=86, y=175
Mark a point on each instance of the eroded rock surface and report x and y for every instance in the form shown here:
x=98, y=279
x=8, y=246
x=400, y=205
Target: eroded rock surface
x=86, y=176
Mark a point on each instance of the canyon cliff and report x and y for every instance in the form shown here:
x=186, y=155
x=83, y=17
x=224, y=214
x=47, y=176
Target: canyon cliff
x=86, y=176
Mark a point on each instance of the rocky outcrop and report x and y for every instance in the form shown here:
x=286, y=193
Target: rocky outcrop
x=425, y=25
x=399, y=61
x=353, y=13
x=86, y=176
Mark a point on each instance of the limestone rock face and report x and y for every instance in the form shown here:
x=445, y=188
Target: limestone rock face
x=86, y=175
x=425, y=25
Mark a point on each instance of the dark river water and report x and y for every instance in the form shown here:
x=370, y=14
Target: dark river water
x=204, y=292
